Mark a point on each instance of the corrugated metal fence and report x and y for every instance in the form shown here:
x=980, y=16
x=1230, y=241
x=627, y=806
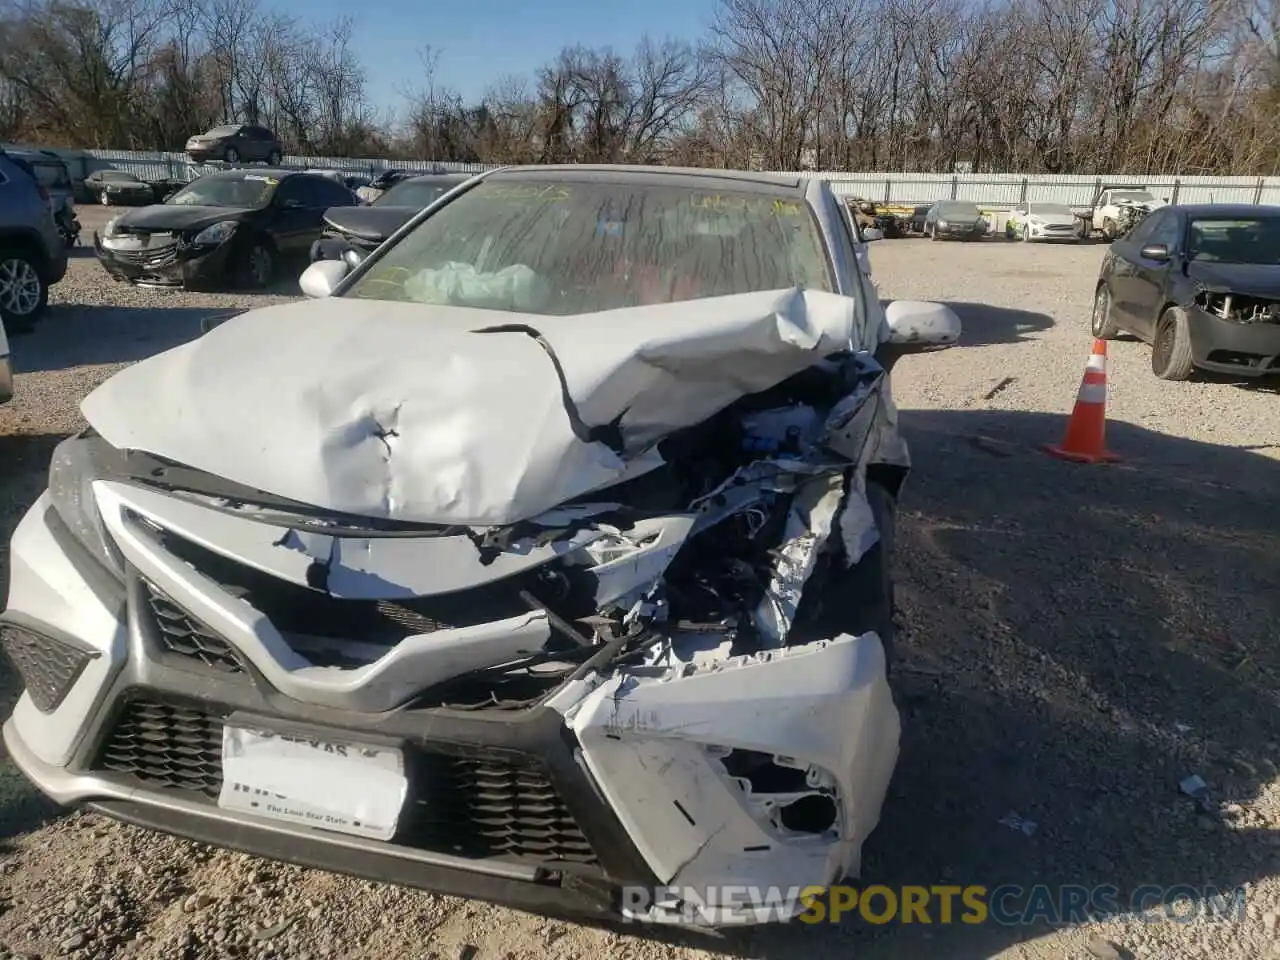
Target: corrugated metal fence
x=994, y=190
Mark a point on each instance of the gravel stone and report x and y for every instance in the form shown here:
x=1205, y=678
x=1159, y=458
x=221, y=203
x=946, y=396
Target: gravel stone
x=1072, y=641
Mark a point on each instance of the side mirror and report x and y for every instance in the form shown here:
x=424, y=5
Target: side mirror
x=322, y=277
x=1158, y=252
x=872, y=233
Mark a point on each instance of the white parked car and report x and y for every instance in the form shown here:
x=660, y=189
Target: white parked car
x=6, y=368
x=1038, y=220
x=544, y=556
x=1117, y=209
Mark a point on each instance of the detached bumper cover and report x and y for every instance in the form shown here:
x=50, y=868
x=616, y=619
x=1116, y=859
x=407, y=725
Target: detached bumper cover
x=1240, y=349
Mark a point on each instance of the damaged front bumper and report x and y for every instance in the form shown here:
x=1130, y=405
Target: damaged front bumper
x=1230, y=346
x=174, y=264
x=764, y=769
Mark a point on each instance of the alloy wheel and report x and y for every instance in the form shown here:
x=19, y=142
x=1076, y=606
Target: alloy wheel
x=19, y=287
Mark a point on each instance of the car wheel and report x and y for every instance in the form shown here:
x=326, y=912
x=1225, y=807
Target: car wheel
x=273, y=158
x=1171, y=346
x=232, y=155
x=1108, y=230
x=258, y=266
x=104, y=199
x=23, y=290
x=1104, y=325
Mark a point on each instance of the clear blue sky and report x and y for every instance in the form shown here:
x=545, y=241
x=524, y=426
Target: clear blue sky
x=479, y=40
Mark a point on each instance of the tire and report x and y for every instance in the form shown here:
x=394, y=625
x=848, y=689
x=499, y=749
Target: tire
x=1171, y=346
x=1109, y=230
x=257, y=266
x=1102, y=321
x=24, y=292
x=273, y=158
x=104, y=199
x=231, y=155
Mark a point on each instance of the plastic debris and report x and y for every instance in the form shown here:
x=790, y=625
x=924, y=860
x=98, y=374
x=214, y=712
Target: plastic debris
x=1018, y=822
x=1195, y=788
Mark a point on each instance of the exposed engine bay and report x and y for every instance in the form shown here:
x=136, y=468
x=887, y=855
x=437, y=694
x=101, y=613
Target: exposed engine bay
x=726, y=549
x=1239, y=308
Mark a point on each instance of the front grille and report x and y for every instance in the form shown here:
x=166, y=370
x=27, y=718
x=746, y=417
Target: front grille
x=474, y=806
x=182, y=634
x=168, y=747
x=488, y=807
x=49, y=668
x=151, y=257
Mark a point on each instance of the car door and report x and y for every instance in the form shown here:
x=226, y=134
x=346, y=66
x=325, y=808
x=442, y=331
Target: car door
x=1129, y=288
x=1151, y=277
x=295, y=221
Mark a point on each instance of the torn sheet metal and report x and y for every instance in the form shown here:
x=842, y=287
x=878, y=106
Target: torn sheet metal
x=809, y=523
x=503, y=417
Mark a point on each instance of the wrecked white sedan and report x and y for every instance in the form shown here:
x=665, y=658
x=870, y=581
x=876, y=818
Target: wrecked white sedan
x=544, y=556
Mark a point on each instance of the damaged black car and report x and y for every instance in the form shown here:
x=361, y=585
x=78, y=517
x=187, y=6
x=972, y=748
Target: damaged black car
x=1201, y=284
x=232, y=228
x=354, y=232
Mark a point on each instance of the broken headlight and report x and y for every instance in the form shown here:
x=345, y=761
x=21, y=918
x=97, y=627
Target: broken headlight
x=216, y=234
x=71, y=476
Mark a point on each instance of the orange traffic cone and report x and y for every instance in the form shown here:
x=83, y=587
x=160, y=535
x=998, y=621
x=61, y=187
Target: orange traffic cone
x=1085, y=440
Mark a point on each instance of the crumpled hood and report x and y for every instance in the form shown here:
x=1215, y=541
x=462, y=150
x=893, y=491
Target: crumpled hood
x=1250, y=279
x=176, y=217
x=406, y=412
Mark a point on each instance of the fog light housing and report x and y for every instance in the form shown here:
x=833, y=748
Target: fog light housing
x=49, y=668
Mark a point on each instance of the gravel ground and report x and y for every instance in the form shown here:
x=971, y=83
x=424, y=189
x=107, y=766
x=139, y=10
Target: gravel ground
x=1075, y=641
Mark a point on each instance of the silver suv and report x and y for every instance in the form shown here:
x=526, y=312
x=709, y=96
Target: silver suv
x=32, y=254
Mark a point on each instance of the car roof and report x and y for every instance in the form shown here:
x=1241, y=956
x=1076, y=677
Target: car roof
x=682, y=176
x=278, y=173
x=1239, y=210
x=437, y=177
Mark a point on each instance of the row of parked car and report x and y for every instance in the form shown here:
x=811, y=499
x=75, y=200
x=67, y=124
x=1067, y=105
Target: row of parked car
x=242, y=227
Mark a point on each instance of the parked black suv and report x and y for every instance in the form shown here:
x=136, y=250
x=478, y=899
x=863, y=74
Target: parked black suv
x=234, y=142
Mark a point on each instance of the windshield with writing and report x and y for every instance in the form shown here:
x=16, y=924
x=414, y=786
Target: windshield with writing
x=1254, y=240
x=410, y=194
x=567, y=248
x=245, y=191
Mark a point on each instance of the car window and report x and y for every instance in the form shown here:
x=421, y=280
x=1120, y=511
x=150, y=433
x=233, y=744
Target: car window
x=409, y=193
x=958, y=208
x=247, y=190
x=223, y=131
x=329, y=193
x=563, y=248
x=1165, y=231
x=1142, y=233
x=299, y=189
x=1254, y=240
x=52, y=175
x=1136, y=196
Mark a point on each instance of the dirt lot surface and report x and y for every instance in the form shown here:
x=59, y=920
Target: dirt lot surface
x=1075, y=641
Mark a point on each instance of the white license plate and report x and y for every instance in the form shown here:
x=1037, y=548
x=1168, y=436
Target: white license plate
x=332, y=785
